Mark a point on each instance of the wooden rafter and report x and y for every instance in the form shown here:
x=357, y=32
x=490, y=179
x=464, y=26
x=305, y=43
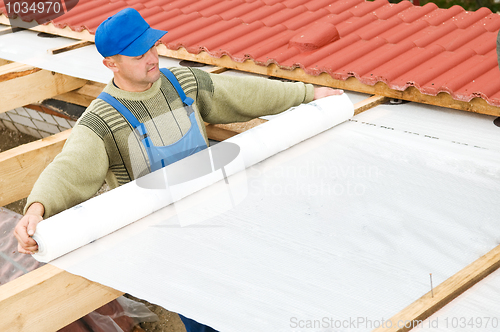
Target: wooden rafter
x=48, y=298
x=49, y=28
x=72, y=46
x=22, y=85
x=423, y=308
x=20, y=167
x=82, y=96
x=369, y=103
x=15, y=70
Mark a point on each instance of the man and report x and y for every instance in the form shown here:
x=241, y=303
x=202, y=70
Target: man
x=100, y=146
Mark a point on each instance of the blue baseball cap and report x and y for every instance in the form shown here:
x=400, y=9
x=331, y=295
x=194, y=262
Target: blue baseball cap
x=126, y=33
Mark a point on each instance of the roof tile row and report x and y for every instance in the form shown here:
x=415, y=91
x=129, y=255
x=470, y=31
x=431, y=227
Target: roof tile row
x=432, y=49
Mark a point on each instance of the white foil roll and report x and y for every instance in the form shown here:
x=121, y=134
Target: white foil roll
x=104, y=214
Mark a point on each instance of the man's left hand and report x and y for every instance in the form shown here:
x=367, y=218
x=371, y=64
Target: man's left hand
x=323, y=92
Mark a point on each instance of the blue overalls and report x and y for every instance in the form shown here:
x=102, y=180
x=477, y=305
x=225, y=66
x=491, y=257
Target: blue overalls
x=161, y=156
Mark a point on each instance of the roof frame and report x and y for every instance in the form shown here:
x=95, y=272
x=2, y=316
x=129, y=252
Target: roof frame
x=443, y=99
x=85, y=296
x=23, y=84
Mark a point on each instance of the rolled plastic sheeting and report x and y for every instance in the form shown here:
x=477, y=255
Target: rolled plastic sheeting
x=117, y=208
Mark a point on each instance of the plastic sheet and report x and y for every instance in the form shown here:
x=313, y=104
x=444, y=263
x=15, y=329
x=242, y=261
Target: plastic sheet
x=339, y=232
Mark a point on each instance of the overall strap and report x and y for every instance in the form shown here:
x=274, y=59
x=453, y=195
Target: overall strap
x=124, y=111
x=171, y=77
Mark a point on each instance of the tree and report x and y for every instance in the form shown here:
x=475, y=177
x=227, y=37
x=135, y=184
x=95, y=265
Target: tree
x=470, y=5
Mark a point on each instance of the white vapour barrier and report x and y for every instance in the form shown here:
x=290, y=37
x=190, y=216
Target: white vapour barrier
x=30, y=47
x=339, y=232
x=104, y=214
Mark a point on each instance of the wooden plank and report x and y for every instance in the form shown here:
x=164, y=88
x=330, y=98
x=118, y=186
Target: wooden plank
x=33, y=87
x=15, y=70
x=48, y=299
x=82, y=96
x=369, y=103
x=4, y=62
x=443, y=294
x=72, y=46
x=222, y=132
x=49, y=28
x=8, y=29
x=217, y=70
x=20, y=167
x=74, y=97
x=443, y=99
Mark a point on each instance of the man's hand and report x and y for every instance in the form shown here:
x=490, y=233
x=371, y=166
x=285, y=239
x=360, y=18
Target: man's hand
x=26, y=227
x=323, y=92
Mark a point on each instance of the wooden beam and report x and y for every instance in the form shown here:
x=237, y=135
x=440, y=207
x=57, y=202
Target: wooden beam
x=443, y=294
x=20, y=167
x=27, y=86
x=217, y=70
x=49, y=28
x=82, y=96
x=14, y=70
x=369, y=103
x=443, y=99
x=222, y=132
x=48, y=298
x=4, y=62
x=72, y=46
x=8, y=29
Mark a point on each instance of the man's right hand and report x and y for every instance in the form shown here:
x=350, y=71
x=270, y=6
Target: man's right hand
x=26, y=227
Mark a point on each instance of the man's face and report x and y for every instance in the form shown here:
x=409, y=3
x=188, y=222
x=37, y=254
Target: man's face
x=137, y=73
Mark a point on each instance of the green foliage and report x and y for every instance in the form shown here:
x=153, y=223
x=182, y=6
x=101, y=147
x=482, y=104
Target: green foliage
x=470, y=5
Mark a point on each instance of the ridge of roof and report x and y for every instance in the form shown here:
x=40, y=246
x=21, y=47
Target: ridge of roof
x=434, y=50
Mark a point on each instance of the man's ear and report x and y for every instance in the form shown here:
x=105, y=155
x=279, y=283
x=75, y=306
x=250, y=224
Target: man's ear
x=110, y=62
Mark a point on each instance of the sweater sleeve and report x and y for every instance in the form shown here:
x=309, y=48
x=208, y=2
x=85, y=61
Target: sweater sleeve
x=74, y=176
x=239, y=99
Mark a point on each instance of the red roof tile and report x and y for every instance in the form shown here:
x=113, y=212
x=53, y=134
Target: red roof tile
x=432, y=49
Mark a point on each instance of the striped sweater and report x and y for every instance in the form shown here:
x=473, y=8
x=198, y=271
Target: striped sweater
x=102, y=146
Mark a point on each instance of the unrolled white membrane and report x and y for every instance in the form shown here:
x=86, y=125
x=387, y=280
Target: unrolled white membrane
x=337, y=233
x=113, y=210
